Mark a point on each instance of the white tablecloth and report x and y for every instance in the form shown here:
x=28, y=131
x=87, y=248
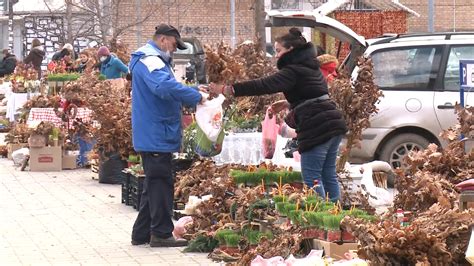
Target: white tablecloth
x=246, y=149
x=16, y=101
x=5, y=87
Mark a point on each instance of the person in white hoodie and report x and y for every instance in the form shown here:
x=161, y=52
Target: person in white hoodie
x=36, y=56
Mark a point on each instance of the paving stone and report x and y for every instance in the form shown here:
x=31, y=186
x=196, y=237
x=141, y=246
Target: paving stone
x=66, y=218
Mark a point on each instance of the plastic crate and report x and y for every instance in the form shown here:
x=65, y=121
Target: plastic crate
x=95, y=169
x=136, y=189
x=126, y=190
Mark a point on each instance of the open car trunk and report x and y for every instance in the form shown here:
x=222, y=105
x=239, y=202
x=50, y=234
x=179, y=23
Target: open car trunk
x=323, y=24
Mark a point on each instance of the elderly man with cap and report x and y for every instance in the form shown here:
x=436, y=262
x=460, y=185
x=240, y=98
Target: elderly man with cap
x=110, y=66
x=157, y=100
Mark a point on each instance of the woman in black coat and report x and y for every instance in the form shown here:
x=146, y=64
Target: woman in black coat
x=319, y=124
x=36, y=56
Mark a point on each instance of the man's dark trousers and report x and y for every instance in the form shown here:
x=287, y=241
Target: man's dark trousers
x=156, y=203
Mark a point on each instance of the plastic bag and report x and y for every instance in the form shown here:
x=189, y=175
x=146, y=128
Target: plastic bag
x=110, y=169
x=180, y=226
x=210, y=127
x=19, y=155
x=470, y=248
x=269, y=135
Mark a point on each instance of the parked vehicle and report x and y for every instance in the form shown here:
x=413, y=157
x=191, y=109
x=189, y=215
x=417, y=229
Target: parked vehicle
x=419, y=75
x=190, y=63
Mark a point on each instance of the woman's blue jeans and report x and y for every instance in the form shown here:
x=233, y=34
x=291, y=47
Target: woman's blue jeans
x=319, y=164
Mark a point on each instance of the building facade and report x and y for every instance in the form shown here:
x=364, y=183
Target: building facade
x=449, y=15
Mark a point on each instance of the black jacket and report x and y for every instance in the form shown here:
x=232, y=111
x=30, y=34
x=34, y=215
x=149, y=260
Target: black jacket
x=301, y=81
x=35, y=57
x=8, y=64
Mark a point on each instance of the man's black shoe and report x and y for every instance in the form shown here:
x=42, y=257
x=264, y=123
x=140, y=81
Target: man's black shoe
x=140, y=242
x=167, y=242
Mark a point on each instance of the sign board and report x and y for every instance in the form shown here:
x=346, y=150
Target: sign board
x=467, y=73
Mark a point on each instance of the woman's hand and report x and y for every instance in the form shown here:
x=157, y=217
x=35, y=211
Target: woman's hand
x=279, y=106
x=216, y=88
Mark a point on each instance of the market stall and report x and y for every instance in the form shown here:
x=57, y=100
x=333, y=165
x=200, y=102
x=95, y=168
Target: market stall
x=37, y=115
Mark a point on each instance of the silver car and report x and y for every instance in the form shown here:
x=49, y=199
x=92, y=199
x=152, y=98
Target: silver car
x=419, y=76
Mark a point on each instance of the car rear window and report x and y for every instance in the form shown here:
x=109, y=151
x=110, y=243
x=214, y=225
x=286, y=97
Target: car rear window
x=405, y=68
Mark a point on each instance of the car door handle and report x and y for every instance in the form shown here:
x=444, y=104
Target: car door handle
x=446, y=106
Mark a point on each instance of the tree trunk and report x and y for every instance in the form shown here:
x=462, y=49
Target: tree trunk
x=69, y=37
x=260, y=23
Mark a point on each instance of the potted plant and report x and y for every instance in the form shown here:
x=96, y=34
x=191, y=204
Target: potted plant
x=220, y=236
x=254, y=238
x=295, y=216
x=279, y=198
x=315, y=224
x=232, y=243
x=289, y=207
x=332, y=225
x=133, y=159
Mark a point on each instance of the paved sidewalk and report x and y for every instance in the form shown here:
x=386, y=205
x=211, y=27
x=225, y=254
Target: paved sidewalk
x=66, y=218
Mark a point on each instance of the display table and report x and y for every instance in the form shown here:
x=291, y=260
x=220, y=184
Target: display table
x=48, y=115
x=246, y=149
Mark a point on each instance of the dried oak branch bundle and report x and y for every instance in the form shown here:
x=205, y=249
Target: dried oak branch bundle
x=420, y=191
x=357, y=101
x=284, y=244
x=18, y=134
x=221, y=65
x=111, y=107
x=438, y=236
x=453, y=163
x=197, y=180
x=246, y=62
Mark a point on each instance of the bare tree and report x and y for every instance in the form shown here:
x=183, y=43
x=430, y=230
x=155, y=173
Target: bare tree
x=101, y=20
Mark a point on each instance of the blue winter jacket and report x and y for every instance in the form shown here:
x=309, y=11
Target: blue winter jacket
x=112, y=68
x=157, y=100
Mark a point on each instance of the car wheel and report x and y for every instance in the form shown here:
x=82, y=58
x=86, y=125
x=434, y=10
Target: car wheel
x=396, y=148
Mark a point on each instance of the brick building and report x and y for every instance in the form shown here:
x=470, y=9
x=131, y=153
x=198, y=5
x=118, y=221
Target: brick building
x=209, y=21
x=449, y=15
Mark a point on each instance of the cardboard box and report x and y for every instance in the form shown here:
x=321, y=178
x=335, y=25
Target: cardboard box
x=13, y=147
x=37, y=141
x=334, y=250
x=46, y=159
x=69, y=162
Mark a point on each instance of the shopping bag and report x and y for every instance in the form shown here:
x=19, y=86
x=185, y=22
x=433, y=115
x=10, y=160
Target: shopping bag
x=210, y=127
x=470, y=248
x=269, y=135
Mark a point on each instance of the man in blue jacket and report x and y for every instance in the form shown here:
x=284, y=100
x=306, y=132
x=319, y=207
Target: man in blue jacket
x=157, y=100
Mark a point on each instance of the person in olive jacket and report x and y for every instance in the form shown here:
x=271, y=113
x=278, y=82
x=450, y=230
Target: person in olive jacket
x=8, y=64
x=36, y=56
x=320, y=126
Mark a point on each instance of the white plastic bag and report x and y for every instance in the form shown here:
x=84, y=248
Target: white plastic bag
x=209, y=117
x=470, y=248
x=210, y=127
x=19, y=155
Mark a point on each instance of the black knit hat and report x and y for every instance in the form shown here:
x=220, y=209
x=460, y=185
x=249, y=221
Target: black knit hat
x=168, y=30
